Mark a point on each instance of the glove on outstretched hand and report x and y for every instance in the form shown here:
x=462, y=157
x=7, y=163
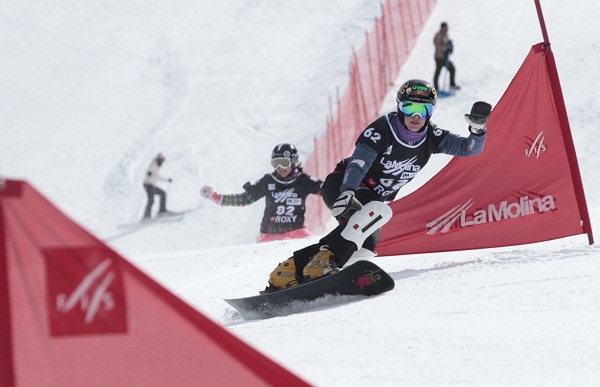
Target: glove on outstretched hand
x=345, y=203
x=477, y=120
x=207, y=192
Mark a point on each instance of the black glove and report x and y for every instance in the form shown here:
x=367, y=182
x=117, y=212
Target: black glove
x=345, y=203
x=477, y=120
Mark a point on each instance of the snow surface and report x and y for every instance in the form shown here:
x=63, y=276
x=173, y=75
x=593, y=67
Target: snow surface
x=90, y=91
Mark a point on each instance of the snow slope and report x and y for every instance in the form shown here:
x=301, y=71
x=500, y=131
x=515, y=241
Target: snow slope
x=91, y=91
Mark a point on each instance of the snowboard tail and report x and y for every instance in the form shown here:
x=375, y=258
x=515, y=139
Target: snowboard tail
x=363, y=278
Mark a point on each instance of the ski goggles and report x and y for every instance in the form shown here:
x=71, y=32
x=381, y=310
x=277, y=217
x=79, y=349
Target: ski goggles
x=423, y=110
x=281, y=162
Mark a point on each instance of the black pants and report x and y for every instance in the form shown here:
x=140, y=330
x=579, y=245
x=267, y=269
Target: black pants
x=341, y=248
x=439, y=65
x=152, y=190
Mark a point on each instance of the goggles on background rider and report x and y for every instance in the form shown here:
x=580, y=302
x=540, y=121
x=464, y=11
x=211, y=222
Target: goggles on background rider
x=281, y=162
x=423, y=110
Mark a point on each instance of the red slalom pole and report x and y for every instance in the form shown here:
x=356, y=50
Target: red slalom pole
x=565, y=127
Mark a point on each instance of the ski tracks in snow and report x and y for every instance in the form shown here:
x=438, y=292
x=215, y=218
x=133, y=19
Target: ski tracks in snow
x=123, y=185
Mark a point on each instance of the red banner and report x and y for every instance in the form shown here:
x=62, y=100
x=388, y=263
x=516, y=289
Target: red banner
x=520, y=190
x=75, y=313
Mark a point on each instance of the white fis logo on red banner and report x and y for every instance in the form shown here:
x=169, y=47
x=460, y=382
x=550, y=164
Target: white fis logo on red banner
x=536, y=146
x=89, y=302
x=458, y=217
x=85, y=292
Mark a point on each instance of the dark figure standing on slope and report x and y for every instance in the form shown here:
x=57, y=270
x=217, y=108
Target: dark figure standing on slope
x=285, y=191
x=389, y=153
x=443, y=49
x=151, y=179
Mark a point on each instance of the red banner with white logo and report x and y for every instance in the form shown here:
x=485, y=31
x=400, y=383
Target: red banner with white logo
x=520, y=190
x=75, y=313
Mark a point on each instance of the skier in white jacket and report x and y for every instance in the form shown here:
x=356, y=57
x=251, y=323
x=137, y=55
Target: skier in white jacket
x=151, y=178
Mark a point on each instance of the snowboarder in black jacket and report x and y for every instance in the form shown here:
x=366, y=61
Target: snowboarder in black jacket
x=285, y=191
x=389, y=153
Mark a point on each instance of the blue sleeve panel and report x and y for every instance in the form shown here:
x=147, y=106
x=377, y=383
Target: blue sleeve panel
x=455, y=145
x=358, y=165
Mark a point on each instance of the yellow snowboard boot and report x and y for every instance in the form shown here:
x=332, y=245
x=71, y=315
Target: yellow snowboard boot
x=284, y=275
x=321, y=264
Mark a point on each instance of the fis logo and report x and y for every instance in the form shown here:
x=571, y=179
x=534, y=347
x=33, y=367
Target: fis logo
x=459, y=217
x=536, y=146
x=85, y=292
x=90, y=299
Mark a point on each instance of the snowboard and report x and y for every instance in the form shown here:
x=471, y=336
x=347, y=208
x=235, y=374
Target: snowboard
x=363, y=278
x=173, y=217
x=445, y=93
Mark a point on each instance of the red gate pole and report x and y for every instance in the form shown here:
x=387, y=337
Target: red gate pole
x=6, y=350
x=565, y=127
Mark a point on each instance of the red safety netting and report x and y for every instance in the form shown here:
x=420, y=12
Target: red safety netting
x=372, y=72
